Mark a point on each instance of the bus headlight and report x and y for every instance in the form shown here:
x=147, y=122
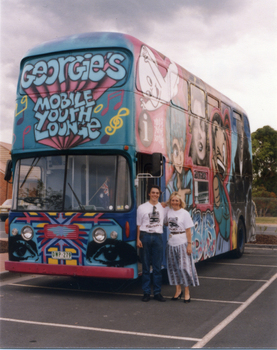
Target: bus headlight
x=114, y=235
x=27, y=233
x=14, y=231
x=99, y=235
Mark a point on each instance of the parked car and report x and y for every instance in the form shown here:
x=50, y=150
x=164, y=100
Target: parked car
x=4, y=209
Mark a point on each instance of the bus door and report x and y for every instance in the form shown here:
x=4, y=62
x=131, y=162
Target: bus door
x=150, y=171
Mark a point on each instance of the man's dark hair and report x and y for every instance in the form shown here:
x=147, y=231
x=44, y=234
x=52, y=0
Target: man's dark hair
x=154, y=186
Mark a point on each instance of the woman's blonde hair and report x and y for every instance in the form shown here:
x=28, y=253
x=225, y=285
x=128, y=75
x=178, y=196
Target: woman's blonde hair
x=176, y=194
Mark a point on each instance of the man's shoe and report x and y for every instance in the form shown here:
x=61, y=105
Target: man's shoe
x=146, y=297
x=159, y=297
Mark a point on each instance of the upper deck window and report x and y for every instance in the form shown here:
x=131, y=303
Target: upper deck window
x=237, y=116
x=197, y=101
x=74, y=71
x=225, y=108
x=183, y=103
x=239, y=125
x=212, y=104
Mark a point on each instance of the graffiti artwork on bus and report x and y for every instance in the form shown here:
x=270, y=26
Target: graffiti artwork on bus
x=241, y=174
x=221, y=154
x=65, y=119
x=68, y=234
x=182, y=178
x=159, y=85
x=188, y=148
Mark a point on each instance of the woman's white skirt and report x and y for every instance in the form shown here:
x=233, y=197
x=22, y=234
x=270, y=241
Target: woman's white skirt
x=180, y=266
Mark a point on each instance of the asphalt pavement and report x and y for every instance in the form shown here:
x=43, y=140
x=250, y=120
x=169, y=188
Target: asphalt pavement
x=234, y=307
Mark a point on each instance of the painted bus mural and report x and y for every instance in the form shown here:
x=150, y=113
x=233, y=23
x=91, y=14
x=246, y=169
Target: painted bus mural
x=99, y=117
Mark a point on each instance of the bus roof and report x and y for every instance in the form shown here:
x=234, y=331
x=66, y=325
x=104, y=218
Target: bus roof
x=112, y=39
x=82, y=41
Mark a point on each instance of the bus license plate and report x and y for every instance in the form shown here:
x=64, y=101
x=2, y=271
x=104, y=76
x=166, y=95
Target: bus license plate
x=62, y=255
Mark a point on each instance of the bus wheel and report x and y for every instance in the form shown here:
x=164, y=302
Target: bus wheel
x=240, y=240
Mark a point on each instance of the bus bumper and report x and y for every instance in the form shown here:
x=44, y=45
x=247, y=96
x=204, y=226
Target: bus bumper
x=65, y=270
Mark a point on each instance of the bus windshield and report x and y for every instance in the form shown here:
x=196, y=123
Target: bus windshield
x=74, y=182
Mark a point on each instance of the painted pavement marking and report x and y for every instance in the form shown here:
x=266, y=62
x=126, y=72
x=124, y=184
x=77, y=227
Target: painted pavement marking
x=95, y=329
x=118, y=293
x=233, y=315
x=234, y=264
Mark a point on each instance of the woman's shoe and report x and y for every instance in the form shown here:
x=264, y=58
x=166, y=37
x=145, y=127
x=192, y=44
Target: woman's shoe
x=187, y=301
x=178, y=297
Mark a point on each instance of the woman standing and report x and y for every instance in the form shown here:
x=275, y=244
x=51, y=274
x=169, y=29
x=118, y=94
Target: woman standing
x=180, y=265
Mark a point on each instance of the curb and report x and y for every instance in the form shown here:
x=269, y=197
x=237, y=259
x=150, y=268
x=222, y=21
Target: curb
x=253, y=245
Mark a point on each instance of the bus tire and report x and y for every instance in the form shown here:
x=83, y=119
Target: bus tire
x=238, y=252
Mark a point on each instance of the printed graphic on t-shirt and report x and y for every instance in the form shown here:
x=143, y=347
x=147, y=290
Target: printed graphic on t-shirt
x=173, y=224
x=154, y=217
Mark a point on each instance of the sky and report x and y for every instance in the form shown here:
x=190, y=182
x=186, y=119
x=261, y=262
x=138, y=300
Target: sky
x=229, y=44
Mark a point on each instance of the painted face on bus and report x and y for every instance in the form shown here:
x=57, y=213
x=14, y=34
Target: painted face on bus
x=178, y=154
x=199, y=140
x=220, y=150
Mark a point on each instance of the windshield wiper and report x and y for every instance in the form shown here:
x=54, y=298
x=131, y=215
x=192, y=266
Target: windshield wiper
x=30, y=169
x=77, y=199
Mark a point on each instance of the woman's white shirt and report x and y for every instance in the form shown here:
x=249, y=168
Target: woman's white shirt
x=178, y=221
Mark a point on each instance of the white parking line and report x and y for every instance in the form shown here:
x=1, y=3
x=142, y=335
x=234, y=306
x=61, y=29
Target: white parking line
x=231, y=279
x=94, y=329
x=233, y=264
x=233, y=315
x=118, y=293
x=217, y=301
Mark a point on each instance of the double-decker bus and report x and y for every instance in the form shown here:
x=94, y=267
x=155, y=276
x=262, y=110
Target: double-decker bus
x=99, y=118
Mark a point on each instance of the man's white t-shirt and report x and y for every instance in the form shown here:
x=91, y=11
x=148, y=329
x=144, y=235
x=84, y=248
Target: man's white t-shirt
x=178, y=221
x=150, y=217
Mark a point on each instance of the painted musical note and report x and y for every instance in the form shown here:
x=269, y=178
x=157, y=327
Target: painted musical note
x=24, y=100
x=116, y=122
x=119, y=93
x=25, y=132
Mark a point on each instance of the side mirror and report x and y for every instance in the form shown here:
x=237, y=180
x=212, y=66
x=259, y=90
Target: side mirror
x=8, y=171
x=157, y=162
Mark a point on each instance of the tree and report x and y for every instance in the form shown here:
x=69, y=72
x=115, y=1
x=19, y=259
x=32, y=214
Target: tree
x=264, y=150
x=266, y=202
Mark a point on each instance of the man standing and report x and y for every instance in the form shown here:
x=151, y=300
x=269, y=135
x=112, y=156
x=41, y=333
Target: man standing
x=150, y=218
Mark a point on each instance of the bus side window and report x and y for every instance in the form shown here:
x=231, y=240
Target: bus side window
x=212, y=104
x=201, y=187
x=183, y=86
x=197, y=101
x=225, y=108
x=201, y=192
